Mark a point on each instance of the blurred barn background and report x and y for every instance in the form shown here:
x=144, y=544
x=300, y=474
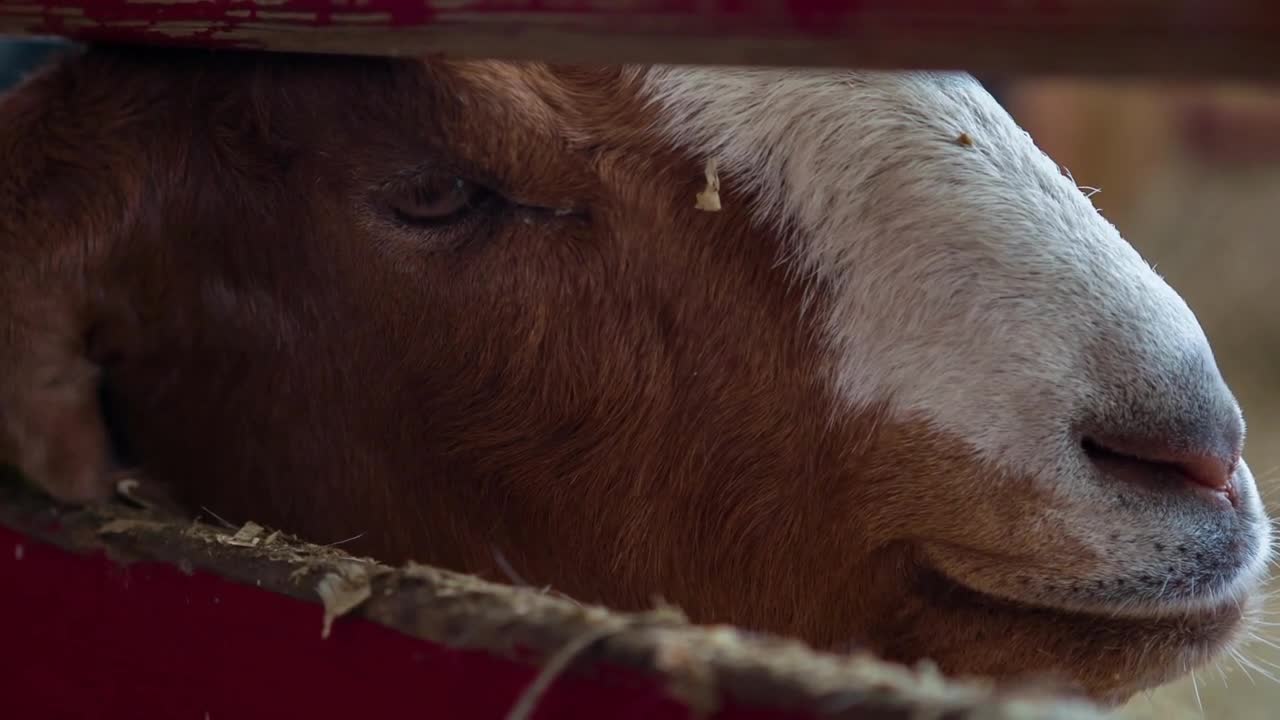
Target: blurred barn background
x=1191, y=176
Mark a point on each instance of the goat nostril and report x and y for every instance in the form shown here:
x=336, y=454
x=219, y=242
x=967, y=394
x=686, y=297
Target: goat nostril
x=1152, y=459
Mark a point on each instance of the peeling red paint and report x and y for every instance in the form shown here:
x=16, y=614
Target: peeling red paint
x=1071, y=35
x=1027, y=14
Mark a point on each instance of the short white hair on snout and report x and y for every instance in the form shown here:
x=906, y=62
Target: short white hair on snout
x=962, y=271
x=970, y=285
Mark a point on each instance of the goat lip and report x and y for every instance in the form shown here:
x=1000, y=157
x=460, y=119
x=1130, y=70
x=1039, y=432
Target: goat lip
x=1187, y=640
x=932, y=561
x=937, y=582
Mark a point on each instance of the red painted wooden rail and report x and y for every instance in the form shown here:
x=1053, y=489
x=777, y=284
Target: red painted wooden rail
x=123, y=615
x=86, y=638
x=1190, y=37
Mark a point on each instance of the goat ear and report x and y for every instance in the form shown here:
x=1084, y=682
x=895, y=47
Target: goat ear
x=51, y=426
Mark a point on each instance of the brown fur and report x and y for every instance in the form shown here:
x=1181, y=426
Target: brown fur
x=623, y=401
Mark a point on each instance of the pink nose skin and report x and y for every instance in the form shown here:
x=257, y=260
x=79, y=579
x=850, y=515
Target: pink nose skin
x=1211, y=467
x=1167, y=426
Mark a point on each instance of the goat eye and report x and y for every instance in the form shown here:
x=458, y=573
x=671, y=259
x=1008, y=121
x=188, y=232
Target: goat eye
x=436, y=200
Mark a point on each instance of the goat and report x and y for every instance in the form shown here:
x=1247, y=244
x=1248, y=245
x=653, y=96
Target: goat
x=905, y=389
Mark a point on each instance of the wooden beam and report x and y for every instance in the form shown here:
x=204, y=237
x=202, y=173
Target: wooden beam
x=1199, y=38
x=115, y=613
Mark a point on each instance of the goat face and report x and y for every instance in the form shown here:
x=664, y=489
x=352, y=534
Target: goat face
x=906, y=390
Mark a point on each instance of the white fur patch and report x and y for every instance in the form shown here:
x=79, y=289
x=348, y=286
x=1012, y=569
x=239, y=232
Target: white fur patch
x=966, y=275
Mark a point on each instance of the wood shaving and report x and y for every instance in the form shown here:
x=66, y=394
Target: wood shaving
x=128, y=489
x=148, y=496
x=709, y=198
x=341, y=592
x=246, y=536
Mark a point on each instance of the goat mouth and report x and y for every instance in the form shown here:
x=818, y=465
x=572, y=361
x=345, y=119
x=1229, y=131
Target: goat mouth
x=1228, y=609
x=1172, y=644
x=1219, y=596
